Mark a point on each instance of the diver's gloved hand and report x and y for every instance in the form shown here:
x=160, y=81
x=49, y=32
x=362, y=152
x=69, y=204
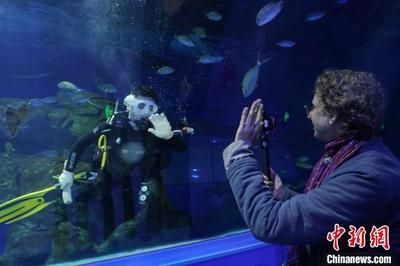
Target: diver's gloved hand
x=67, y=196
x=66, y=180
x=162, y=128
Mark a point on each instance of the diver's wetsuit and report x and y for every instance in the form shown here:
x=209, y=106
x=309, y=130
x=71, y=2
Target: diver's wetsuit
x=129, y=152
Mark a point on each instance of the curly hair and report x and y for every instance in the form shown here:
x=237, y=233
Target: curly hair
x=146, y=91
x=356, y=98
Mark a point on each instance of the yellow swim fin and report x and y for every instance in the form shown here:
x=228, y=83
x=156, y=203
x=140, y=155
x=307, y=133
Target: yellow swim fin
x=28, y=204
x=31, y=203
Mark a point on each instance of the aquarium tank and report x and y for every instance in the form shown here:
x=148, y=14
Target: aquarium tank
x=79, y=79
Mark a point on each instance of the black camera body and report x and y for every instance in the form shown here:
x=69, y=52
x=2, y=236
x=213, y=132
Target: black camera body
x=269, y=122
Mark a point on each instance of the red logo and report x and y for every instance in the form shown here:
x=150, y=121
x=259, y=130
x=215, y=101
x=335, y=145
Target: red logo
x=380, y=237
x=377, y=237
x=335, y=236
x=357, y=236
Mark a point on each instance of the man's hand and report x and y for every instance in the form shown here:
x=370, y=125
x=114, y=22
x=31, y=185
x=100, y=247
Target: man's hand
x=162, y=128
x=251, y=123
x=66, y=180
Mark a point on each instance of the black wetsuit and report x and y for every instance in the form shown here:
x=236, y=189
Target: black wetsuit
x=130, y=152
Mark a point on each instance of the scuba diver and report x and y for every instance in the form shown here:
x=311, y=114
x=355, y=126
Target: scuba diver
x=134, y=145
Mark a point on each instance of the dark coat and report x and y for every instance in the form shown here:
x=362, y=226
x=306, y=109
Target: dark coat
x=363, y=191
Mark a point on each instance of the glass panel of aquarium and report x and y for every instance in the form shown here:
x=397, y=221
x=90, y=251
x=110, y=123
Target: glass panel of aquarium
x=114, y=114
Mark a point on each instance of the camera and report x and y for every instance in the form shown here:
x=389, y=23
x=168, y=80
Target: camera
x=269, y=122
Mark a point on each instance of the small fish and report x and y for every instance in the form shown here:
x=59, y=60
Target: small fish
x=304, y=165
x=49, y=153
x=315, y=16
x=50, y=100
x=184, y=40
x=342, y=2
x=228, y=75
x=249, y=82
x=80, y=100
x=36, y=102
x=303, y=159
x=67, y=85
x=107, y=88
x=214, y=16
x=199, y=31
x=186, y=88
x=210, y=59
x=286, y=43
x=165, y=70
x=268, y=13
x=171, y=7
x=286, y=117
x=32, y=76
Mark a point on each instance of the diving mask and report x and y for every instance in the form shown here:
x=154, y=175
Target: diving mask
x=139, y=107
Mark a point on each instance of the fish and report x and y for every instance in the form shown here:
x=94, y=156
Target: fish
x=315, y=16
x=303, y=159
x=210, y=59
x=36, y=102
x=268, y=13
x=107, y=88
x=32, y=76
x=50, y=100
x=304, y=165
x=80, y=100
x=186, y=88
x=249, y=82
x=171, y=7
x=49, y=153
x=199, y=31
x=67, y=85
x=286, y=117
x=286, y=43
x=228, y=75
x=214, y=16
x=165, y=70
x=184, y=40
x=342, y=2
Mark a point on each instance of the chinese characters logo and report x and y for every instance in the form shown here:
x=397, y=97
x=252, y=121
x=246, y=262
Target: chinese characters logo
x=377, y=237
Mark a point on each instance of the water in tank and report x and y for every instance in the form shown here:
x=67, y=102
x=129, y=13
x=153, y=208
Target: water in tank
x=114, y=114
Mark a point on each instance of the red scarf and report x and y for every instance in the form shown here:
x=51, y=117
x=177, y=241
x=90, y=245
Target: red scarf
x=336, y=152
